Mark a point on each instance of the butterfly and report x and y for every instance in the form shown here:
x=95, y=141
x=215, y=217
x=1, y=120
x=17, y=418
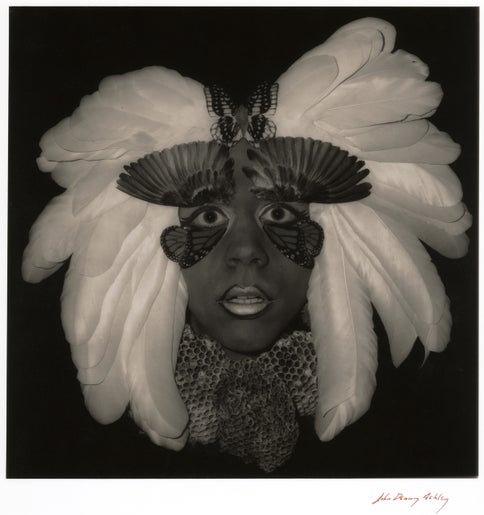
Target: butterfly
x=300, y=242
x=250, y=121
x=188, y=245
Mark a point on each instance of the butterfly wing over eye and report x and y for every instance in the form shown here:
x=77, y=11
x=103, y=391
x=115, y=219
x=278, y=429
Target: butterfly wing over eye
x=188, y=245
x=313, y=237
x=174, y=241
x=299, y=242
x=204, y=240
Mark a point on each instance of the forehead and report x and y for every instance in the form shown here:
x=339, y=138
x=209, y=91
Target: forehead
x=242, y=184
x=239, y=154
x=236, y=188
x=241, y=197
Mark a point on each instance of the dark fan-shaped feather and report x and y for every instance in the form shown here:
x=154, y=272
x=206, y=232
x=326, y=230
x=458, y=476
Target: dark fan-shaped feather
x=302, y=169
x=184, y=175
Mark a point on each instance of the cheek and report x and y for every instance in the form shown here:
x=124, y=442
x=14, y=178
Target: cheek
x=199, y=281
x=208, y=278
x=204, y=285
x=293, y=283
x=206, y=282
x=197, y=276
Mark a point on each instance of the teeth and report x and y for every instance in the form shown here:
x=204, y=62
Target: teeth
x=245, y=306
x=246, y=300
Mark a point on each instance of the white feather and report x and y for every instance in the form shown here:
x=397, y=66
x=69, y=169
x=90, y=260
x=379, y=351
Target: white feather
x=93, y=124
x=64, y=137
x=120, y=92
x=395, y=64
x=365, y=99
x=394, y=135
x=447, y=233
x=107, y=401
x=52, y=239
x=435, y=185
x=355, y=44
x=155, y=401
x=51, y=151
x=114, y=294
x=83, y=295
x=100, y=239
x=68, y=173
x=435, y=148
x=312, y=77
x=373, y=242
x=401, y=200
x=341, y=322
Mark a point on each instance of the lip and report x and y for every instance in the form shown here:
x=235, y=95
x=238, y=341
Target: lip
x=245, y=302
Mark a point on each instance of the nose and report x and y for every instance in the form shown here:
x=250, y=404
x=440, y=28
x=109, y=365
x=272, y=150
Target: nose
x=245, y=245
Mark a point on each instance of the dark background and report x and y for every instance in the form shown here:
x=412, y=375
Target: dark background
x=423, y=421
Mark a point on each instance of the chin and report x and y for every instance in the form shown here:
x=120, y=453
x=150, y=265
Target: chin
x=247, y=348
x=248, y=338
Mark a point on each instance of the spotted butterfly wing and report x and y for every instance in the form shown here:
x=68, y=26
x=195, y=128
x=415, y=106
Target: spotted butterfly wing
x=263, y=99
x=226, y=129
x=300, y=242
x=262, y=102
x=188, y=245
x=234, y=122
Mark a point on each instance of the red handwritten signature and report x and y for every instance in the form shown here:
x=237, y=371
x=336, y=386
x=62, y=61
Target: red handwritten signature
x=413, y=500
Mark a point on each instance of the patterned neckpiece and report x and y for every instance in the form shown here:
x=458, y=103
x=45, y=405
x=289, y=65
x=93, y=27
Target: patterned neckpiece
x=248, y=407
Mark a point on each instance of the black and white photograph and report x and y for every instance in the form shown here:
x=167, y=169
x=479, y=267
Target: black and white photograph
x=242, y=243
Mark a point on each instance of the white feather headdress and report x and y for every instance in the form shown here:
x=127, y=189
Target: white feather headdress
x=124, y=302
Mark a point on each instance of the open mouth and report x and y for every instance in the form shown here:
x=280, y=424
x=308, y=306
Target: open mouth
x=249, y=302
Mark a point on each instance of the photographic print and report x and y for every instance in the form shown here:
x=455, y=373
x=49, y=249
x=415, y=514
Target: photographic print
x=242, y=243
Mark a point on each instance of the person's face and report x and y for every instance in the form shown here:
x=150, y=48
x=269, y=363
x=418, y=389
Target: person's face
x=244, y=292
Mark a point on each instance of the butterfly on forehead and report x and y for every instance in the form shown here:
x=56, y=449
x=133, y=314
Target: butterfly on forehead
x=249, y=121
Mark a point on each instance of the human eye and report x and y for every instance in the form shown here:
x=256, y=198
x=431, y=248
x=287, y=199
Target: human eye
x=204, y=217
x=280, y=214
